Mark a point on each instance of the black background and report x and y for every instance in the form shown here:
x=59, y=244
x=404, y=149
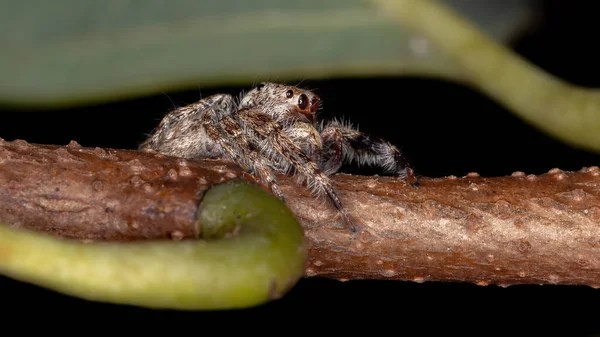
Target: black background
x=443, y=129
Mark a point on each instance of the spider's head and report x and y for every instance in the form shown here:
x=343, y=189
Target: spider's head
x=304, y=102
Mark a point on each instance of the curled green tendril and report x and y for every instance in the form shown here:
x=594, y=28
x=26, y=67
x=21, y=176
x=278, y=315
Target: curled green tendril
x=261, y=261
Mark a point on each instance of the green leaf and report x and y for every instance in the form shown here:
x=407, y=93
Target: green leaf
x=65, y=52
x=261, y=262
x=69, y=52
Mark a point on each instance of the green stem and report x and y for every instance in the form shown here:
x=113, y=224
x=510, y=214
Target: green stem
x=565, y=111
x=262, y=261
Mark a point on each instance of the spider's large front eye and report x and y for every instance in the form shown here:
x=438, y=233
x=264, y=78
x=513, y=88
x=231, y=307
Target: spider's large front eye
x=289, y=93
x=260, y=86
x=303, y=102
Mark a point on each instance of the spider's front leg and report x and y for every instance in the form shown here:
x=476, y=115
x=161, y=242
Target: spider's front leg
x=332, y=155
x=281, y=150
x=344, y=143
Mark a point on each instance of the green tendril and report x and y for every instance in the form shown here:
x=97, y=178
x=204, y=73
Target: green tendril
x=259, y=256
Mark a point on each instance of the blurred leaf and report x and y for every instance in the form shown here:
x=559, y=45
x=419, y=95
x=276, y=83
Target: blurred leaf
x=565, y=111
x=67, y=52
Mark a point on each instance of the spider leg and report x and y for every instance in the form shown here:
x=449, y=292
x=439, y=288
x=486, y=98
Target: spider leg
x=205, y=129
x=332, y=154
x=226, y=132
x=363, y=149
x=281, y=149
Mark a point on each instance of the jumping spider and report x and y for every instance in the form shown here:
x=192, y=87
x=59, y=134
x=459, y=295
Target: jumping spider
x=273, y=129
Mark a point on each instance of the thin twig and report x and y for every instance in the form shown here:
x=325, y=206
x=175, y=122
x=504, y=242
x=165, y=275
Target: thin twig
x=522, y=229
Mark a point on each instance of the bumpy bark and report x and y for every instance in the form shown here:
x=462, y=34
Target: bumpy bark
x=520, y=229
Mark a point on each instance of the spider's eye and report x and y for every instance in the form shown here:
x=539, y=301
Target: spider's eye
x=289, y=93
x=303, y=102
x=260, y=86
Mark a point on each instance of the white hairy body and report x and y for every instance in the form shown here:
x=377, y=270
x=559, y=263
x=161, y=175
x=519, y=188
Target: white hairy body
x=273, y=129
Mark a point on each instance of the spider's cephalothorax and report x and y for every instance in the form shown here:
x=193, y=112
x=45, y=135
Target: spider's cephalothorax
x=273, y=129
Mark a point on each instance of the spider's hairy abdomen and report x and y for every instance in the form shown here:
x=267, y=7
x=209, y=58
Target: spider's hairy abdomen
x=181, y=133
x=273, y=129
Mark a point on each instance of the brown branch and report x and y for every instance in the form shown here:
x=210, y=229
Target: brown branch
x=521, y=229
